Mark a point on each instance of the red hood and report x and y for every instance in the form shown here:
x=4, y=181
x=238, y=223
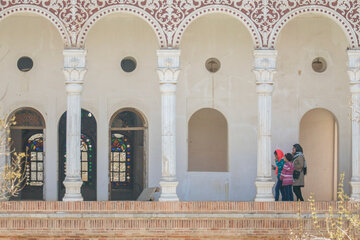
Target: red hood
x=280, y=154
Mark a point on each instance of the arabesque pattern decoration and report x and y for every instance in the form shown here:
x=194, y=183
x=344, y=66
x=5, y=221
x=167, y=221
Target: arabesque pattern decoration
x=170, y=18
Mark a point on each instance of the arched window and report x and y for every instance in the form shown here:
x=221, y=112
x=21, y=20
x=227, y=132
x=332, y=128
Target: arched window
x=207, y=141
x=126, y=163
x=87, y=156
x=27, y=134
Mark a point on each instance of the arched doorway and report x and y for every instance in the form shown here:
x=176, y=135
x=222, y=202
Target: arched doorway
x=87, y=156
x=207, y=143
x=318, y=137
x=27, y=136
x=127, y=170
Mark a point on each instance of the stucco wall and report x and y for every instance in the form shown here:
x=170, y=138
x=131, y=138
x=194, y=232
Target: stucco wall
x=299, y=89
x=231, y=90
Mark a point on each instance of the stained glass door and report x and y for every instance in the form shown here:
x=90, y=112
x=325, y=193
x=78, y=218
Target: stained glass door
x=27, y=134
x=127, y=170
x=87, y=156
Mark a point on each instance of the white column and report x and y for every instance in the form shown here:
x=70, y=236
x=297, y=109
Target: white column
x=168, y=71
x=74, y=70
x=354, y=75
x=264, y=69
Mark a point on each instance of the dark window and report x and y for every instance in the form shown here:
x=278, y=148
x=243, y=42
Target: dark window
x=212, y=65
x=25, y=64
x=128, y=64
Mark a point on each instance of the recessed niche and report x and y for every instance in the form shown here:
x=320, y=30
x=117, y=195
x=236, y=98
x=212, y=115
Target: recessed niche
x=212, y=65
x=319, y=65
x=128, y=64
x=25, y=64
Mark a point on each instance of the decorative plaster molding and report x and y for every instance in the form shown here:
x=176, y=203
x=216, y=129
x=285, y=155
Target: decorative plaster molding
x=168, y=68
x=170, y=18
x=264, y=69
x=354, y=66
x=74, y=65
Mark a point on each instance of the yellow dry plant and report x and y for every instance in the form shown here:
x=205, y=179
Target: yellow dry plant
x=12, y=174
x=340, y=223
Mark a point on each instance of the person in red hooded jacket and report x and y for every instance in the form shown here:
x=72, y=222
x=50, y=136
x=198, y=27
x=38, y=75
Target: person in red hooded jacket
x=279, y=161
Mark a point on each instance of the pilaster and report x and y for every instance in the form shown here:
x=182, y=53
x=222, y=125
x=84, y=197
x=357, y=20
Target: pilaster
x=264, y=69
x=354, y=75
x=168, y=71
x=74, y=71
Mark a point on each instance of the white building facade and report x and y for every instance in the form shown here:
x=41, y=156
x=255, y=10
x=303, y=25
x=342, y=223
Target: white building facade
x=214, y=88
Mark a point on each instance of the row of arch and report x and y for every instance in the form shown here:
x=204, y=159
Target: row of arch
x=126, y=159
x=207, y=150
x=260, y=40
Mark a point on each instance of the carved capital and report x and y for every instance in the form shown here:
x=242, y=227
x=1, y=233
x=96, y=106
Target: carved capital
x=74, y=65
x=264, y=69
x=354, y=69
x=168, y=65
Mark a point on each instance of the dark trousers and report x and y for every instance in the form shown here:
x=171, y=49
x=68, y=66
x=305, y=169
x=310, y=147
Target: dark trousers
x=297, y=191
x=279, y=189
x=288, y=193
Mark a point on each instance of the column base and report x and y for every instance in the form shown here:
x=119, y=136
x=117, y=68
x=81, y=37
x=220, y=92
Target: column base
x=73, y=190
x=168, y=191
x=355, y=191
x=264, y=191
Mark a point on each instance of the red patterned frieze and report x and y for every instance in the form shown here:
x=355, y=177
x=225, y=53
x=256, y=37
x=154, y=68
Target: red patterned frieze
x=169, y=18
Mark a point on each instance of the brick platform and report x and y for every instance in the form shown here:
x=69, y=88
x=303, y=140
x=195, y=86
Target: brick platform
x=154, y=220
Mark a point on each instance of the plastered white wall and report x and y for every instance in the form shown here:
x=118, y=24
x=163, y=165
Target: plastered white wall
x=107, y=89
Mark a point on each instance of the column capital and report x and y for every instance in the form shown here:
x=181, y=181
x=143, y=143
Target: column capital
x=354, y=69
x=74, y=65
x=168, y=58
x=264, y=69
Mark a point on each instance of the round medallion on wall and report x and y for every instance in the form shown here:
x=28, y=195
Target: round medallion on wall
x=212, y=65
x=25, y=64
x=128, y=64
x=319, y=65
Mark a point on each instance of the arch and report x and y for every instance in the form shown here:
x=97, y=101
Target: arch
x=42, y=12
x=318, y=135
x=330, y=13
x=127, y=158
x=208, y=141
x=217, y=9
x=88, y=156
x=27, y=134
x=140, y=114
x=28, y=117
x=122, y=9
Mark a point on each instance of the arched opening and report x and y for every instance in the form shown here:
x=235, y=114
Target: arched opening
x=27, y=136
x=87, y=156
x=127, y=169
x=304, y=39
x=319, y=139
x=207, y=141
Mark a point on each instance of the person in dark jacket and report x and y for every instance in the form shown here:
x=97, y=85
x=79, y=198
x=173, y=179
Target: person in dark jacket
x=299, y=163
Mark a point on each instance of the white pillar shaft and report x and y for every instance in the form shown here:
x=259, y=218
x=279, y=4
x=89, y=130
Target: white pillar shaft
x=168, y=71
x=74, y=70
x=354, y=75
x=264, y=137
x=73, y=133
x=168, y=121
x=264, y=68
x=355, y=137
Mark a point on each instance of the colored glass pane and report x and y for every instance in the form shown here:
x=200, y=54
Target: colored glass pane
x=34, y=160
x=120, y=155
